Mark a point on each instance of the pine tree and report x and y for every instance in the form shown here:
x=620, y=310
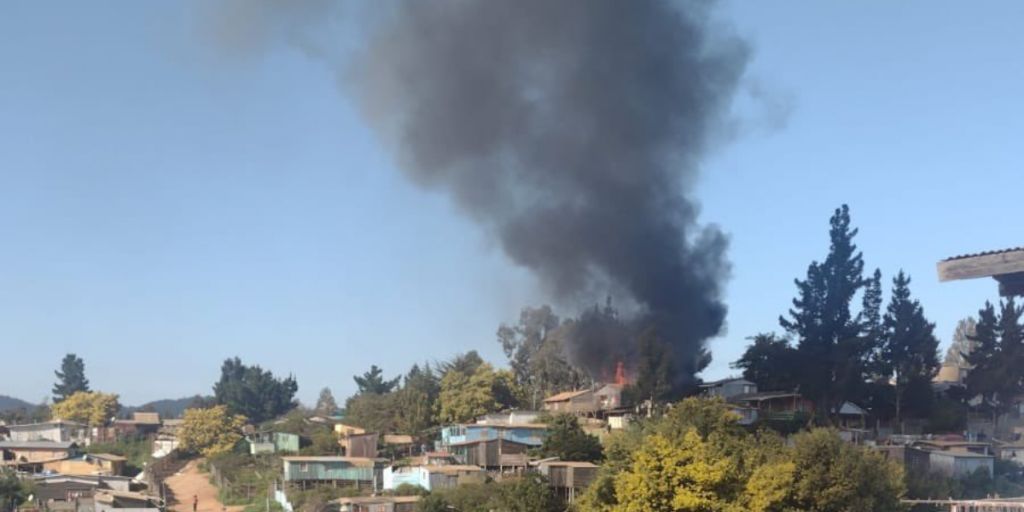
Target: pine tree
x=654, y=367
x=70, y=378
x=910, y=346
x=830, y=347
x=373, y=382
x=998, y=358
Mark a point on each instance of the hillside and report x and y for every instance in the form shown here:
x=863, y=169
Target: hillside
x=168, y=408
x=8, y=403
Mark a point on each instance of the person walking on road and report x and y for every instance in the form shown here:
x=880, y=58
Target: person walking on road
x=195, y=503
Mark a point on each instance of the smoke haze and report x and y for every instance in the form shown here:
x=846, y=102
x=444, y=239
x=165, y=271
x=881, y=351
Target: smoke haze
x=571, y=131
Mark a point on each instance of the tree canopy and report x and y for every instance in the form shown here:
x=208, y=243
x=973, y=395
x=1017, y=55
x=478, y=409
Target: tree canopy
x=373, y=382
x=998, y=357
x=910, y=348
x=70, y=378
x=770, y=362
x=91, y=408
x=536, y=354
x=211, y=431
x=253, y=392
x=463, y=397
x=567, y=441
x=962, y=345
x=325, y=403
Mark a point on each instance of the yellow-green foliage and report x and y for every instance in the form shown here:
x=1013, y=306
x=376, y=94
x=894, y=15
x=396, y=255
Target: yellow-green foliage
x=92, y=408
x=696, y=459
x=464, y=397
x=210, y=431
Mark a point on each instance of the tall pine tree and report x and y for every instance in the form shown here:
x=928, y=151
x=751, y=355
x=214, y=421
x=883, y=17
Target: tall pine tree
x=70, y=378
x=998, y=356
x=830, y=345
x=910, y=348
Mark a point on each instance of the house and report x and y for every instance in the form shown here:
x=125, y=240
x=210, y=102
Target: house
x=67, y=487
x=145, y=424
x=531, y=434
x=360, y=445
x=568, y=478
x=359, y=472
x=497, y=453
x=1013, y=452
x=106, y=464
x=377, y=504
x=58, y=431
x=166, y=439
x=913, y=460
x=437, y=459
x=571, y=402
x=107, y=501
x=775, y=405
x=747, y=415
x=272, y=442
x=960, y=464
x=433, y=477
x=511, y=417
x=954, y=446
x=728, y=388
x=18, y=453
x=400, y=445
x=1005, y=266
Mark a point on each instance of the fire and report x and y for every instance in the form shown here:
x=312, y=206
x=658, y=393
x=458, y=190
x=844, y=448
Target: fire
x=620, y=374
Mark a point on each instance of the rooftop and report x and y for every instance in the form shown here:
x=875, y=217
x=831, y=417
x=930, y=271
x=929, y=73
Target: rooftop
x=44, y=424
x=567, y=395
x=107, y=456
x=499, y=426
x=355, y=461
x=35, y=445
x=569, y=464
x=370, y=500
x=452, y=468
x=724, y=381
x=1006, y=266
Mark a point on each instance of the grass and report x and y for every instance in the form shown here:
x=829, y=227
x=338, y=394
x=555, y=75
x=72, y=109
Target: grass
x=138, y=451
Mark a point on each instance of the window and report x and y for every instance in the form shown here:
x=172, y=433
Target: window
x=303, y=467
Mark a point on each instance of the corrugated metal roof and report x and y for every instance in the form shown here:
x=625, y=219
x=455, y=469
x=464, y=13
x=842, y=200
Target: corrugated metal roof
x=986, y=253
x=35, y=445
x=355, y=461
x=567, y=395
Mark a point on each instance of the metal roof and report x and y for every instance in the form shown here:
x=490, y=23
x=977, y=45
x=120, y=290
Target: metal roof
x=35, y=445
x=986, y=253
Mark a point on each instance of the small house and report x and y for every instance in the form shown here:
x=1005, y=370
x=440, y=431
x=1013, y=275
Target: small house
x=35, y=452
x=1013, y=452
x=58, y=488
x=510, y=417
x=360, y=445
x=568, y=478
x=728, y=388
x=106, y=464
x=775, y=405
x=531, y=434
x=433, y=477
x=107, y=501
x=272, y=442
x=401, y=445
x=960, y=464
x=491, y=453
x=305, y=472
x=571, y=402
x=377, y=504
x=57, y=431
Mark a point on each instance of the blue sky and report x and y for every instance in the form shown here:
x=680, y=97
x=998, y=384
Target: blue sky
x=163, y=208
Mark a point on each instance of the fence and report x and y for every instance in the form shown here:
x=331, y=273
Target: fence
x=158, y=471
x=234, y=492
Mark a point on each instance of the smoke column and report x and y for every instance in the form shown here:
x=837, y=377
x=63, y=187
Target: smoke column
x=573, y=132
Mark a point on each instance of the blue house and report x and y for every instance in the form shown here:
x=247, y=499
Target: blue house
x=530, y=434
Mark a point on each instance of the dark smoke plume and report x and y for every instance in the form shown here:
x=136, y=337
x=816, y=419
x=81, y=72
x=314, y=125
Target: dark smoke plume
x=572, y=131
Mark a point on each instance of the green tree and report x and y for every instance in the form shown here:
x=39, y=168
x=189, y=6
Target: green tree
x=253, y=392
x=12, y=491
x=832, y=475
x=536, y=354
x=326, y=404
x=830, y=345
x=375, y=413
x=998, y=358
x=70, y=378
x=92, y=408
x=466, y=363
x=210, y=431
x=654, y=367
x=373, y=382
x=770, y=362
x=464, y=397
x=910, y=348
x=567, y=441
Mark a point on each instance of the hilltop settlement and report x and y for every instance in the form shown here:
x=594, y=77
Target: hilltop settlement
x=846, y=408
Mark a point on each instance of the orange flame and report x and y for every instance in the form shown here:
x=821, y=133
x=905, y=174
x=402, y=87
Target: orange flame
x=620, y=374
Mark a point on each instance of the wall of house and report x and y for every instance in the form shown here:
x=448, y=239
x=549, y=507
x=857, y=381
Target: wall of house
x=341, y=471
x=396, y=476
x=39, y=455
x=950, y=464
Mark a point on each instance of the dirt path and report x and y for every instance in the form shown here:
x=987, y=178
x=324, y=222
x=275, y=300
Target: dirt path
x=190, y=482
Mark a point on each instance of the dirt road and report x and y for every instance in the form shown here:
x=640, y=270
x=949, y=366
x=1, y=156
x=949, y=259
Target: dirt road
x=190, y=482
